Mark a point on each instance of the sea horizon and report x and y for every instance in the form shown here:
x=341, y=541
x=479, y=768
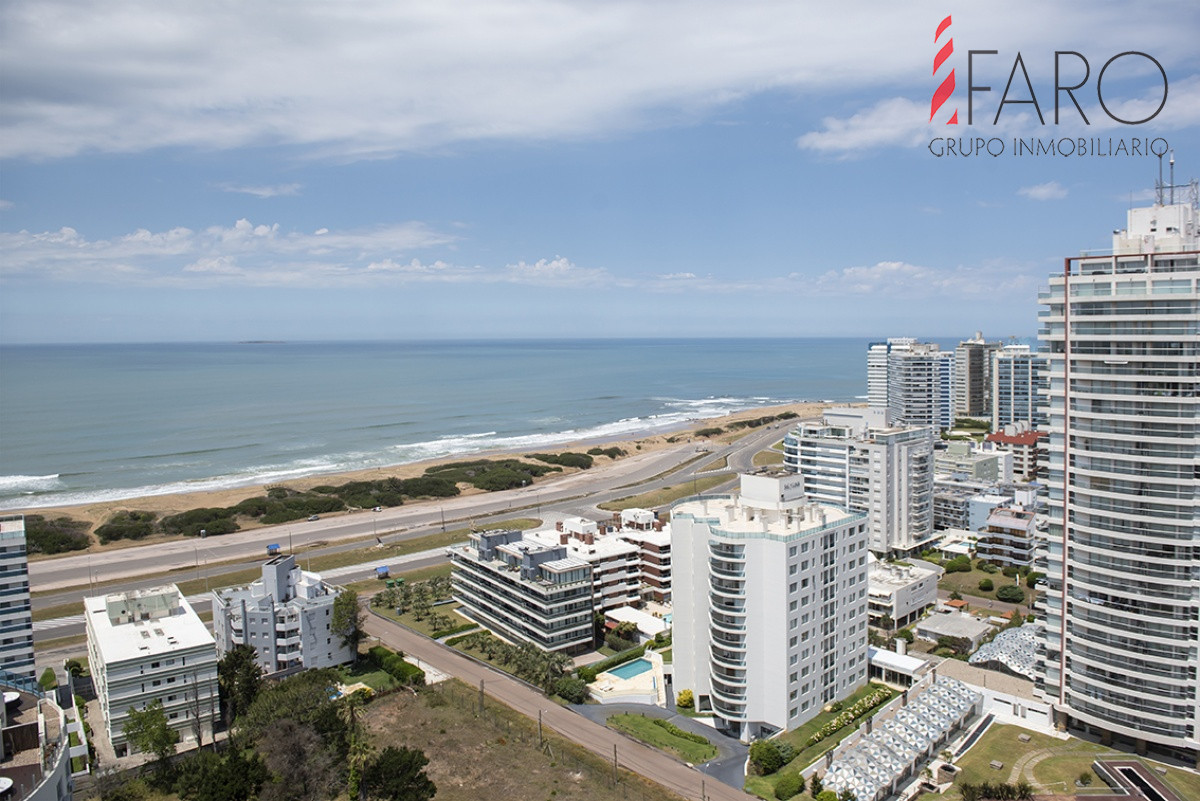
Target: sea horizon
x=110, y=421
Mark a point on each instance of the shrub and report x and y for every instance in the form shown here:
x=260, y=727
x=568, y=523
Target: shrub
x=709, y=432
x=765, y=757
x=611, y=453
x=55, y=536
x=1011, y=594
x=580, y=460
x=1033, y=578
x=393, y=664
x=789, y=784
x=860, y=708
x=905, y=634
x=572, y=690
x=672, y=729
x=685, y=700
x=213, y=521
x=986, y=585
x=437, y=635
x=959, y=564
x=1084, y=779
x=1010, y=571
x=131, y=525
x=827, y=795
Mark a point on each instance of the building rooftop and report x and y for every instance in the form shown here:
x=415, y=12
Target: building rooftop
x=895, y=576
x=954, y=625
x=121, y=638
x=1025, y=438
x=732, y=516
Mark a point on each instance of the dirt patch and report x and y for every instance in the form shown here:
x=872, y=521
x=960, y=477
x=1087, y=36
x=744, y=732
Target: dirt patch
x=495, y=754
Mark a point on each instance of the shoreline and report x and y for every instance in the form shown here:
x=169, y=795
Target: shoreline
x=98, y=512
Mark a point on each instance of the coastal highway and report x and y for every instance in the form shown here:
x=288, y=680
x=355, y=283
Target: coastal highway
x=573, y=494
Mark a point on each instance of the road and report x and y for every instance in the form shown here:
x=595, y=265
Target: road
x=643, y=760
x=576, y=494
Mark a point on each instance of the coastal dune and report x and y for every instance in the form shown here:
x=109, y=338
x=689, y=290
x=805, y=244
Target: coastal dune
x=647, y=442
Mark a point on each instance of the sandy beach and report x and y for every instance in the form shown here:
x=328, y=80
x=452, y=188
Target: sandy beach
x=97, y=513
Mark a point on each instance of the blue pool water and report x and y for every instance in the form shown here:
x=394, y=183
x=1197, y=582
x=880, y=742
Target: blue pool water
x=631, y=669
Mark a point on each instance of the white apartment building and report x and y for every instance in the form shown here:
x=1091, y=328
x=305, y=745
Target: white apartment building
x=852, y=460
x=877, y=369
x=921, y=386
x=1026, y=447
x=770, y=613
x=1017, y=378
x=524, y=590
x=286, y=617
x=900, y=591
x=653, y=540
x=1008, y=537
x=963, y=461
x=16, y=615
x=973, y=376
x=146, y=646
x=1121, y=333
x=616, y=571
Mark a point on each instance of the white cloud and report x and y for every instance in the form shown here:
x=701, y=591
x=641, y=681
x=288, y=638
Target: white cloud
x=896, y=121
x=898, y=279
x=5, y=205
x=1051, y=190
x=281, y=190
x=554, y=272
x=374, y=78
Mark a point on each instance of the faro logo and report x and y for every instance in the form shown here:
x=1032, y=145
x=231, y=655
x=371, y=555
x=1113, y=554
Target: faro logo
x=1072, y=72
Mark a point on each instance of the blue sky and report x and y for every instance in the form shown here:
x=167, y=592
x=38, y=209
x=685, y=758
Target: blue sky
x=255, y=170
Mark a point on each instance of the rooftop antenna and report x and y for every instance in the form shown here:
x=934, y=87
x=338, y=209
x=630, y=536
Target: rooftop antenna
x=1172, y=177
x=1158, y=187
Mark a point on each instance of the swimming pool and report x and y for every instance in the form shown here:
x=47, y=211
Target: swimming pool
x=631, y=669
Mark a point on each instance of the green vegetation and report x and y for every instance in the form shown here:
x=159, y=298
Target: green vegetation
x=55, y=536
x=580, y=460
x=347, y=621
x=986, y=585
x=686, y=699
x=664, y=496
x=239, y=681
x=47, y=680
x=612, y=453
x=491, y=475
x=571, y=689
x=1011, y=594
x=971, y=424
x=666, y=736
x=768, y=457
x=394, y=665
x=131, y=525
x=525, y=661
x=148, y=732
x=715, y=464
x=788, y=786
x=709, y=432
x=758, y=422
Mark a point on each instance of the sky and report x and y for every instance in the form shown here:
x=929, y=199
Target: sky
x=538, y=168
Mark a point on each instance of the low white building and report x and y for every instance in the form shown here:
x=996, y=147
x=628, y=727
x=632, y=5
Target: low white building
x=286, y=617
x=961, y=460
x=146, y=646
x=900, y=591
x=770, y=613
x=953, y=624
x=648, y=626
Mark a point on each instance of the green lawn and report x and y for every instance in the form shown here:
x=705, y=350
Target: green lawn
x=1054, y=774
x=716, y=464
x=364, y=671
x=765, y=785
x=644, y=729
x=664, y=496
x=768, y=457
x=967, y=584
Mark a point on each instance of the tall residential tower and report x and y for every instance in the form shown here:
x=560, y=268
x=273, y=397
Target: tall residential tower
x=1121, y=333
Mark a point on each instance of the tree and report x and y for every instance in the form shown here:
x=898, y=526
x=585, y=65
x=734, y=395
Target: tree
x=147, y=730
x=904, y=634
x=847, y=795
x=239, y=678
x=765, y=756
x=348, y=619
x=306, y=699
x=398, y=774
x=886, y=623
x=207, y=776
x=1012, y=594
x=571, y=689
x=815, y=785
x=955, y=595
x=302, y=766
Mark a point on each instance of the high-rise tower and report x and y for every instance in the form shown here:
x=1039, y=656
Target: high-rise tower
x=1121, y=333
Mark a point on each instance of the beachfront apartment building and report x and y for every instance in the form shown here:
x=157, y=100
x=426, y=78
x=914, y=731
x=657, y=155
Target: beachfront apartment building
x=852, y=459
x=524, y=590
x=616, y=569
x=1018, y=378
x=653, y=540
x=973, y=376
x=16, y=611
x=770, y=612
x=146, y=646
x=286, y=617
x=920, y=385
x=877, y=368
x=1121, y=334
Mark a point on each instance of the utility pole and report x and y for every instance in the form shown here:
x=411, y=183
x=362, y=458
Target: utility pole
x=614, y=764
x=540, y=742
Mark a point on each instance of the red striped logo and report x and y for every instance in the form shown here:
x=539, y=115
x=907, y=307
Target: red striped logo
x=943, y=92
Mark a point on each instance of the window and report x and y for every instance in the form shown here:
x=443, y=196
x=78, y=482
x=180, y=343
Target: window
x=792, y=677
x=792, y=661
x=792, y=551
x=792, y=587
x=792, y=606
x=791, y=644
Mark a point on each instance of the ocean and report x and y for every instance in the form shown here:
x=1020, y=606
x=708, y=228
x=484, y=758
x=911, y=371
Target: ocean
x=86, y=423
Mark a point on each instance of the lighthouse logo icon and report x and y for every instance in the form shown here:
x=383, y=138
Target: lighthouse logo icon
x=946, y=88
